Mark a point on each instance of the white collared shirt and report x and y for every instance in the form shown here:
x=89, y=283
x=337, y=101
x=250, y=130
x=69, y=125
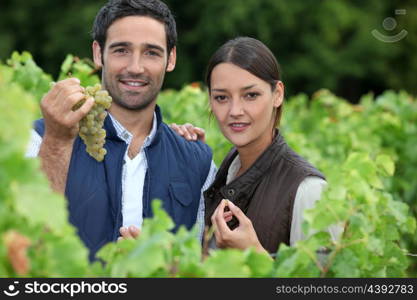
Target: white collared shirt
x=133, y=172
x=133, y=176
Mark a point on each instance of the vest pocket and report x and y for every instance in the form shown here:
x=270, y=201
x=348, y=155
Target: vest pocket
x=181, y=192
x=92, y=218
x=181, y=198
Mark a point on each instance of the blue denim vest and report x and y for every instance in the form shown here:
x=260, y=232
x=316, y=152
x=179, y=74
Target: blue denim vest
x=177, y=170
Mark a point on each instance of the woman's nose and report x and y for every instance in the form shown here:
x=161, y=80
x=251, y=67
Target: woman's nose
x=236, y=108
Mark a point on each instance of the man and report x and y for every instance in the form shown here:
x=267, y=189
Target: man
x=134, y=44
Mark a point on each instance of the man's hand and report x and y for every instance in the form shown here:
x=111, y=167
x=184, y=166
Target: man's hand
x=61, y=129
x=61, y=122
x=190, y=132
x=129, y=233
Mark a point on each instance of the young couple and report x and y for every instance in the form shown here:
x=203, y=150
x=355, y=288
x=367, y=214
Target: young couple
x=267, y=185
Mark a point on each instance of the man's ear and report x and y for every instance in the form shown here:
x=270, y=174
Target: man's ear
x=97, y=54
x=172, y=59
x=279, y=93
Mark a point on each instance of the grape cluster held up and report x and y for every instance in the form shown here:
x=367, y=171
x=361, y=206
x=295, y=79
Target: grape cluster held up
x=91, y=126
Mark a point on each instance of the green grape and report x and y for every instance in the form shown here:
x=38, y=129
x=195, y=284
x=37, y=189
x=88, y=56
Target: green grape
x=91, y=126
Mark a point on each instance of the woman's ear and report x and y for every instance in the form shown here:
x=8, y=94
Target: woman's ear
x=97, y=55
x=278, y=93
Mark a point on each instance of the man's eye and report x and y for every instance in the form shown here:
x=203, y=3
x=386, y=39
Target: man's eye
x=153, y=53
x=120, y=50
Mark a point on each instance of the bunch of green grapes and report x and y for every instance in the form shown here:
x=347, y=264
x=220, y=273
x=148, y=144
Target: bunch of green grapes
x=91, y=126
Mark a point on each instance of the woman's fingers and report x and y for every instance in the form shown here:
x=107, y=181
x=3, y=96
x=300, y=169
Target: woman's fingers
x=217, y=233
x=189, y=129
x=189, y=132
x=184, y=131
x=227, y=216
x=239, y=214
x=219, y=222
x=177, y=129
x=196, y=133
x=201, y=134
x=242, y=237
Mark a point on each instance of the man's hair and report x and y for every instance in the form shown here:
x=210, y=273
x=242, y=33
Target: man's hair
x=116, y=9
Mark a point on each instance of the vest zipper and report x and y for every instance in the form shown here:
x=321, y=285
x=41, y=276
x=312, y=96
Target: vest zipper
x=119, y=217
x=145, y=194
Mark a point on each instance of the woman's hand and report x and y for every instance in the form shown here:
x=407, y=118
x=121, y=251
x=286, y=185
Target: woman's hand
x=190, y=132
x=242, y=237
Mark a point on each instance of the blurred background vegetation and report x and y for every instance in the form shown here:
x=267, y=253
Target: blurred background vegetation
x=319, y=44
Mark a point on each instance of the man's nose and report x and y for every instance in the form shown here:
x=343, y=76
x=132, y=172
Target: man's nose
x=135, y=65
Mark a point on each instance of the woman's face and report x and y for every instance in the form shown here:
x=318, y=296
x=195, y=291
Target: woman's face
x=243, y=105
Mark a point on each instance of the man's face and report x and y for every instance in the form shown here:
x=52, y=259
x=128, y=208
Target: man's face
x=134, y=61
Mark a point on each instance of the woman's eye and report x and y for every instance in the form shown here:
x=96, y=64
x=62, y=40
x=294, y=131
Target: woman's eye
x=220, y=98
x=252, y=96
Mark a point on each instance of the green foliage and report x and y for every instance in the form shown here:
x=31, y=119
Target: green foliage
x=365, y=150
x=27, y=205
x=83, y=69
x=30, y=77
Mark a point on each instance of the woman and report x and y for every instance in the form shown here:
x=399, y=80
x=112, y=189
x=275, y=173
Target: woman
x=267, y=184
